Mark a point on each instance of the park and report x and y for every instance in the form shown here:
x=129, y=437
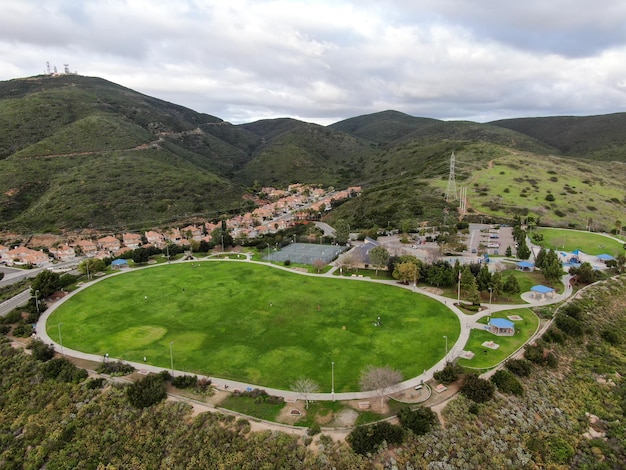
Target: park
x=256, y=324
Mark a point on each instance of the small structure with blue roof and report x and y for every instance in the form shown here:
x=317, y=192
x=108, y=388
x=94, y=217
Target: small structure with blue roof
x=119, y=263
x=526, y=266
x=541, y=292
x=501, y=327
x=605, y=257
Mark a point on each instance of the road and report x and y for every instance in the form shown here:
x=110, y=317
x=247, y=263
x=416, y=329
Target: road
x=14, y=302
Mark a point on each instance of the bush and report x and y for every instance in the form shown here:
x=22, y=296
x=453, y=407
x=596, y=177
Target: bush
x=573, y=310
x=367, y=439
x=507, y=383
x=569, y=325
x=261, y=396
x=4, y=329
x=520, y=367
x=534, y=354
x=146, y=392
x=287, y=262
x=185, y=381
x=23, y=330
x=93, y=384
x=203, y=386
x=62, y=370
x=314, y=429
x=41, y=351
x=449, y=374
x=477, y=389
x=554, y=335
x=611, y=337
x=115, y=368
x=14, y=316
x=419, y=421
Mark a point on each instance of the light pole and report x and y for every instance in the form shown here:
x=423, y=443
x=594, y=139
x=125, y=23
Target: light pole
x=59, y=325
x=332, y=386
x=458, y=294
x=171, y=358
x=446, y=347
x=37, y=301
x=489, y=316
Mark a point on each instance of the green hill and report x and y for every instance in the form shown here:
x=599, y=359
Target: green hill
x=592, y=137
x=82, y=152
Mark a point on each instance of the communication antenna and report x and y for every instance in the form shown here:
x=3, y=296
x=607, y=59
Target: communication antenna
x=463, y=201
x=66, y=69
x=55, y=70
x=451, y=189
x=48, y=68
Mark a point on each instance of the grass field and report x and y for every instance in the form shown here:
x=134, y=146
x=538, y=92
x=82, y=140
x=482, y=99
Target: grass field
x=486, y=358
x=588, y=242
x=256, y=324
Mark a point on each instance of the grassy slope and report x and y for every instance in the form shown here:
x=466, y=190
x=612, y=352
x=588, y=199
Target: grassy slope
x=223, y=324
x=592, y=137
x=588, y=242
x=518, y=183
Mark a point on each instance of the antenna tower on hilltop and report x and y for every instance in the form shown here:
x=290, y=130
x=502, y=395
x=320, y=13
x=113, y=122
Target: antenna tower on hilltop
x=451, y=189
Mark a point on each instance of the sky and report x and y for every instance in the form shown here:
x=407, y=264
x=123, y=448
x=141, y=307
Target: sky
x=324, y=61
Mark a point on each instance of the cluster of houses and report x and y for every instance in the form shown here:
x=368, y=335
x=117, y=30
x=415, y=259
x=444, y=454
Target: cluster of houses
x=286, y=207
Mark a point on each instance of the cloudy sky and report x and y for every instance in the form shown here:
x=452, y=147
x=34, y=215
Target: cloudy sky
x=323, y=61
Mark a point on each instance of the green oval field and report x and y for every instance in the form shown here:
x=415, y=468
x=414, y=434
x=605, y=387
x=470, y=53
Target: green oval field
x=256, y=324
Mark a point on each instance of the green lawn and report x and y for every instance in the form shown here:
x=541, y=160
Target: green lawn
x=485, y=358
x=588, y=242
x=257, y=324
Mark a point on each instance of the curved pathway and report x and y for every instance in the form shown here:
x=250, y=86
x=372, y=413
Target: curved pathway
x=467, y=322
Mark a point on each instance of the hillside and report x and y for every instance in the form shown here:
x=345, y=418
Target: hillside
x=591, y=137
x=82, y=152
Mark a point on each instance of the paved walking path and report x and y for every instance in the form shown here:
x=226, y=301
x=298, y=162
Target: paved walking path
x=467, y=322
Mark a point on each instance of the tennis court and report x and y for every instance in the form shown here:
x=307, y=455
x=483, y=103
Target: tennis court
x=306, y=253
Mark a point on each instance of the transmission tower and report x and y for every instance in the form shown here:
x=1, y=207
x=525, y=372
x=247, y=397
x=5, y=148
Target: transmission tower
x=451, y=190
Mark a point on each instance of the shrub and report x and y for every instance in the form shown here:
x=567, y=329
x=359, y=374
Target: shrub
x=203, y=386
x=115, y=368
x=477, y=389
x=569, y=325
x=93, y=384
x=14, y=316
x=611, y=337
x=550, y=197
x=367, y=439
x=507, y=383
x=449, y=374
x=4, y=329
x=314, y=429
x=185, y=381
x=534, y=354
x=520, y=367
x=62, y=370
x=573, y=310
x=146, y=392
x=554, y=335
x=23, y=330
x=419, y=421
x=287, y=262
x=41, y=351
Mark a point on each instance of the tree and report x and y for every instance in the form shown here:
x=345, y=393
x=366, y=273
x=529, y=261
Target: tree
x=507, y=383
x=342, y=231
x=469, y=286
x=477, y=389
x=319, y=264
x=146, y=392
x=90, y=266
x=367, y=439
x=407, y=272
x=140, y=255
x=484, y=278
x=379, y=256
x=508, y=252
x=510, y=286
x=618, y=227
x=420, y=420
x=305, y=387
x=552, y=268
x=496, y=284
x=379, y=379
x=541, y=257
x=450, y=373
x=46, y=282
x=523, y=252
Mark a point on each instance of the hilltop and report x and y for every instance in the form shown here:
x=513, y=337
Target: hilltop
x=80, y=152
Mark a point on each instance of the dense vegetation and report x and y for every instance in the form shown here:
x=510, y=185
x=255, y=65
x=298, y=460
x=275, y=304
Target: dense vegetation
x=81, y=152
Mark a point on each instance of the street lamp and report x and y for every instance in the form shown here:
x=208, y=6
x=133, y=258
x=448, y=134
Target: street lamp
x=332, y=387
x=458, y=295
x=59, y=325
x=171, y=358
x=490, y=292
x=37, y=301
x=446, y=347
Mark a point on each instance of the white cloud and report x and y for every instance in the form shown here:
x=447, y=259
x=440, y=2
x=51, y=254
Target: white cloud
x=243, y=60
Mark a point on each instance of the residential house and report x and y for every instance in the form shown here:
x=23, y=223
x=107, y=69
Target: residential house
x=193, y=232
x=131, y=240
x=88, y=247
x=109, y=243
x=155, y=238
x=63, y=252
x=23, y=255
